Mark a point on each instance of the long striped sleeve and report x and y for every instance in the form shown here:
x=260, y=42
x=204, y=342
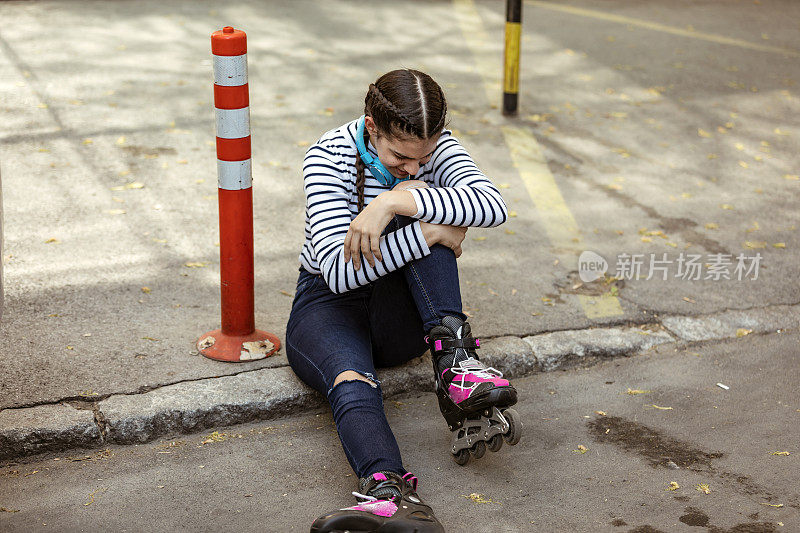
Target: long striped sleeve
x=328, y=192
x=461, y=194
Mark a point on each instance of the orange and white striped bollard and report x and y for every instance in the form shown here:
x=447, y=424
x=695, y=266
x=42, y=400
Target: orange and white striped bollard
x=238, y=340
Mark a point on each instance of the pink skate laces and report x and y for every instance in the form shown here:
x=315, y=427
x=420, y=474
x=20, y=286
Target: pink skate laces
x=380, y=506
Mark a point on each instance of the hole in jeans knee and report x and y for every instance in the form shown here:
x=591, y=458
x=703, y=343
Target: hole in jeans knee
x=352, y=375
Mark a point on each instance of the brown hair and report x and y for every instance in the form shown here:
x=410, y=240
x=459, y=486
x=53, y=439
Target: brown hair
x=402, y=103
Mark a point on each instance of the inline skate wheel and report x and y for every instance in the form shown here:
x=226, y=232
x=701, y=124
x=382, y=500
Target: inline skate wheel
x=462, y=457
x=514, y=427
x=495, y=443
x=478, y=449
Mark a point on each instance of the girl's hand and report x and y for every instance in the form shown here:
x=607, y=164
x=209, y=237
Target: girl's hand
x=450, y=236
x=365, y=230
x=364, y=235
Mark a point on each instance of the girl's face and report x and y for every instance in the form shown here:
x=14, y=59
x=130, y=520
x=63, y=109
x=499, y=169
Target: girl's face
x=401, y=157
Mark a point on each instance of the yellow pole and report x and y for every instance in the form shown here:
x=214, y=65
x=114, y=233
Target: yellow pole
x=511, y=66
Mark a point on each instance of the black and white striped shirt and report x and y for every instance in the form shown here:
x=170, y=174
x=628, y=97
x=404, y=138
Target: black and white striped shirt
x=459, y=194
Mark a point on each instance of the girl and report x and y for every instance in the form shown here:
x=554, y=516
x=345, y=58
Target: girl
x=389, y=197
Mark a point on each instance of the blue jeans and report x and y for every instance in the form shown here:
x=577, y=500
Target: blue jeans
x=381, y=324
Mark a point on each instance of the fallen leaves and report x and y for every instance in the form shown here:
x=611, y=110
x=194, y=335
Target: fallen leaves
x=741, y=332
x=703, y=487
x=581, y=449
x=128, y=186
x=780, y=453
x=91, y=501
x=216, y=437
x=479, y=498
x=539, y=117
x=195, y=265
x=634, y=392
x=659, y=407
x=673, y=485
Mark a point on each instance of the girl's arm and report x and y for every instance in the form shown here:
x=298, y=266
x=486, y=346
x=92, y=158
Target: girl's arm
x=461, y=196
x=329, y=217
x=400, y=201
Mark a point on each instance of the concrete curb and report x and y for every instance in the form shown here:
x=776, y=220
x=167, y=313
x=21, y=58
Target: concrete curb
x=269, y=393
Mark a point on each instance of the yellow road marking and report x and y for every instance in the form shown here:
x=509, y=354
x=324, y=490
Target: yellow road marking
x=560, y=226
x=711, y=37
x=476, y=37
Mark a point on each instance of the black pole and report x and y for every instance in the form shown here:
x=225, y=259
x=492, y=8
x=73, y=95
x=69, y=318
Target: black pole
x=511, y=65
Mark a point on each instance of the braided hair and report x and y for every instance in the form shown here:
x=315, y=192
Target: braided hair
x=402, y=102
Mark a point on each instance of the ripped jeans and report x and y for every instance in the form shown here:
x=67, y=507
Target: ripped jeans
x=381, y=324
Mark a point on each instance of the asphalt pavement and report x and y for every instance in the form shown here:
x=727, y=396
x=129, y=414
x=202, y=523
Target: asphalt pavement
x=681, y=455
x=661, y=136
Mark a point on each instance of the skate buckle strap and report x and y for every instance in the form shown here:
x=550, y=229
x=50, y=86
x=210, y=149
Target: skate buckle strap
x=412, y=480
x=467, y=342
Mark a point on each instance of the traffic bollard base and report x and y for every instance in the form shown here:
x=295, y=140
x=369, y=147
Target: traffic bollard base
x=238, y=348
